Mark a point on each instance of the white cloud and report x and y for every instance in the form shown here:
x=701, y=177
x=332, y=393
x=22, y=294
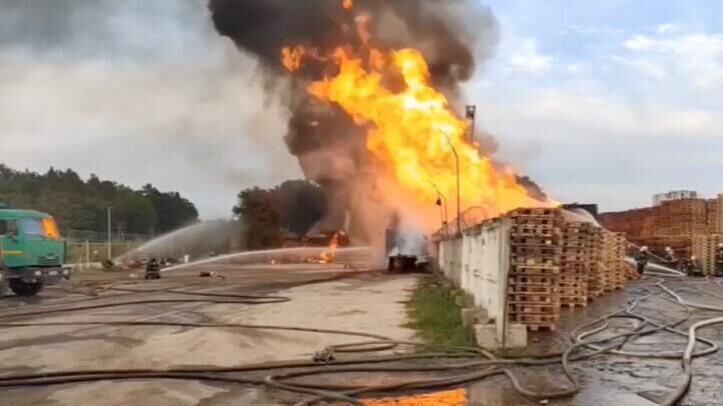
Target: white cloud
x=696, y=58
x=647, y=68
x=575, y=68
x=596, y=146
x=202, y=130
x=640, y=42
x=524, y=56
x=667, y=28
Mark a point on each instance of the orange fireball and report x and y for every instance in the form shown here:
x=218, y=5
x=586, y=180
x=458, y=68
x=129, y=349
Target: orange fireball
x=411, y=128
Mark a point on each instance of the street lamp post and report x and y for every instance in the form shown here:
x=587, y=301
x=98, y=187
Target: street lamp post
x=471, y=114
x=110, y=247
x=456, y=157
x=442, y=203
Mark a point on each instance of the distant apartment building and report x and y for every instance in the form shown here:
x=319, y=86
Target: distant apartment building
x=659, y=198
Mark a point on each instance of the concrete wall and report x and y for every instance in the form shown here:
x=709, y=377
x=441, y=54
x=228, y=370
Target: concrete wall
x=449, y=259
x=478, y=263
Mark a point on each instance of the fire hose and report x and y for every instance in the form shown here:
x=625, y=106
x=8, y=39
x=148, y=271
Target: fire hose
x=113, y=285
x=582, y=338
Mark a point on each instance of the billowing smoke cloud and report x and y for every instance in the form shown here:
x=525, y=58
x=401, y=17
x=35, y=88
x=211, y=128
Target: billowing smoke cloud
x=453, y=35
x=263, y=27
x=137, y=91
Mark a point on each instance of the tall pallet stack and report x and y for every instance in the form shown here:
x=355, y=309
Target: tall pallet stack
x=704, y=249
x=533, y=293
x=614, y=246
x=576, y=244
x=596, y=280
x=631, y=272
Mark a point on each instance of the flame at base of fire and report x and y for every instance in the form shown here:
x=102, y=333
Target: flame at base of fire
x=328, y=256
x=457, y=397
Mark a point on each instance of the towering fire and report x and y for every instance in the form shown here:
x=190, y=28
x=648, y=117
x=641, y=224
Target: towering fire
x=374, y=96
x=410, y=128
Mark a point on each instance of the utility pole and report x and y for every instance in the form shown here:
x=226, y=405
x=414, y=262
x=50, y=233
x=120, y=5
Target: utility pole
x=110, y=248
x=471, y=114
x=456, y=157
x=442, y=203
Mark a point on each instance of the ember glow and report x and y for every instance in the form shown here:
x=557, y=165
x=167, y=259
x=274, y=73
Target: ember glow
x=410, y=128
x=291, y=57
x=328, y=255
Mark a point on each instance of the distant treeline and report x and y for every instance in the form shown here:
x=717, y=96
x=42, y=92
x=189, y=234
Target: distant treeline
x=82, y=205
x=293, y=206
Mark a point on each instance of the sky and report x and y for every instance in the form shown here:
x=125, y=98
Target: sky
x=606, y=102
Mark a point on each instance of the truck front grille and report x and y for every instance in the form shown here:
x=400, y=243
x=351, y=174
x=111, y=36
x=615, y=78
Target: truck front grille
x=48, y=261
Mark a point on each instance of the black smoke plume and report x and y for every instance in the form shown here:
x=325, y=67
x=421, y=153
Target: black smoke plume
x=330, y=148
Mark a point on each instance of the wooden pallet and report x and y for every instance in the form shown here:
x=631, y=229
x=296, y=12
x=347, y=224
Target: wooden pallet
x=533, y=231
x=534, y=266
x=530, y=280
x=535, y=241
x=575, y=302
x=534, y=211
x=531, y=289
x=534, y=269
x=530, y=308
x=517, y=260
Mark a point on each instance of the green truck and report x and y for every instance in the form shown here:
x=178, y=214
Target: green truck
x=32, y=251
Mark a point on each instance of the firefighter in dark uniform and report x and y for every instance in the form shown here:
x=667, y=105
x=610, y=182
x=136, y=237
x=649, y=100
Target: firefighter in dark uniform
x=719, y=260
x=153, y=269
x=670, y=259
x=690, y=267
x=642, y=259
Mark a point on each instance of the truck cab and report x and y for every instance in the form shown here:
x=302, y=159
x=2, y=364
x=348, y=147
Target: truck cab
x=32, y=251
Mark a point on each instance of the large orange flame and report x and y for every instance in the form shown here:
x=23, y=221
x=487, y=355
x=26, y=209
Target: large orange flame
x=413, y=131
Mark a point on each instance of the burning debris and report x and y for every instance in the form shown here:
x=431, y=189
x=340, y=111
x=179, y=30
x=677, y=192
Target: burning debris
x=374, y=98
x=328, y=256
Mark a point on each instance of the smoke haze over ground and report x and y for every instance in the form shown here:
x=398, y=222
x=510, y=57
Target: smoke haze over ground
x=137, y=91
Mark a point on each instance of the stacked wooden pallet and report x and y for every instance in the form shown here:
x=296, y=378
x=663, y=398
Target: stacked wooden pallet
x=533, y=294
x=631, y=272
x=704, y=248
x=614, y=247
x=576, y=244
x=597, y=280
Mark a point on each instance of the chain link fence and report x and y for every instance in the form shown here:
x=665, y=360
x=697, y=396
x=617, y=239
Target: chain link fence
x=87, y=252
x=98, y=236
x=87, y=248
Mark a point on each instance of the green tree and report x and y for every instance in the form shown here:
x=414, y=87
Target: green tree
x=256, y=209
x=300, y=205
x=79, y=204
x=172, y=210
x=294, y=205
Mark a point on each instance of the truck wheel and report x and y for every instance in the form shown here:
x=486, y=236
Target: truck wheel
x=22, y=288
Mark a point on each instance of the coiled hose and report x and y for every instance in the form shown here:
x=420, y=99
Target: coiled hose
x=478, y=363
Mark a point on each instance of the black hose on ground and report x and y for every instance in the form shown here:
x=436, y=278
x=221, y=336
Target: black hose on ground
x=347, y=393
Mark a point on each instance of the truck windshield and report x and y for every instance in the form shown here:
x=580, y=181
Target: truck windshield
x=42, y=227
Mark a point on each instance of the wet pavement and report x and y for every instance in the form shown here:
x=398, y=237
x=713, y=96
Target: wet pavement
x=609, y=379
x=619, y=380
x=605, y=379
